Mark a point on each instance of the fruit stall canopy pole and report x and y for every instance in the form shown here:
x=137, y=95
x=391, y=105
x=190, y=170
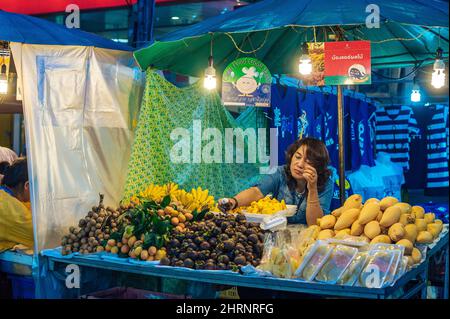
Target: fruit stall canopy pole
x=408, y=34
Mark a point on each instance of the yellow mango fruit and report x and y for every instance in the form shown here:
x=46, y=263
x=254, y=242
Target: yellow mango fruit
x=407, y=244
x=368, y=213
x=404, y=207
x=418, y=211
x=354, y=201
x=416, y=255
x=318, y=221
x=424, y=237
x=327, y=222
x=406, y=219
x=337, y=212
x=434, y=229
x=380, y=215
x=372, y=200
x=325, y=234
x=411, y=232
x=347, y=218
x=357, y=229
x=383, y=239
x=365, y=238
x=315, y=230
x=429, y=218
x=372, y=229
x=421, y=224
x=390, y=216
x=387, y=202
x=342, y=233
x=410, y=261
x=438, y=221
x=396, y=232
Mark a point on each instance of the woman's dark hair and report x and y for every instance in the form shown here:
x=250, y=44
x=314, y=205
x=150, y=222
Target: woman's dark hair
x=3, y=167
x=317, y=155
x=16, y=174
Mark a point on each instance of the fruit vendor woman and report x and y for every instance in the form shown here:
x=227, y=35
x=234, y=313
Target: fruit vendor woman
x=305, y=181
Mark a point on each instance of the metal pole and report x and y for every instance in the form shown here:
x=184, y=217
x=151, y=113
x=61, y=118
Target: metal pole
x=340, y=106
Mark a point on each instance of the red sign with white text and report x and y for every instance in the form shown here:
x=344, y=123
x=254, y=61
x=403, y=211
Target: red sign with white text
x=347, y=62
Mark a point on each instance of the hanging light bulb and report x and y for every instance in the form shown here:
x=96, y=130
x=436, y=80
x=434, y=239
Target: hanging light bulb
x=305, y=66
x=415, y=93
x=438, y=76
x=210, y=81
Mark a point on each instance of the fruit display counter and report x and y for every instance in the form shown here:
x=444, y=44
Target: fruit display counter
x=376, y=249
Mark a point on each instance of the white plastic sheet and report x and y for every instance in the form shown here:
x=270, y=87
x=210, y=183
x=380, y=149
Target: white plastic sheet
x=80, y=107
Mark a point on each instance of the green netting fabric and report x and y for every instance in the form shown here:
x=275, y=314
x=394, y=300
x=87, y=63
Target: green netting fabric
x=166, y=108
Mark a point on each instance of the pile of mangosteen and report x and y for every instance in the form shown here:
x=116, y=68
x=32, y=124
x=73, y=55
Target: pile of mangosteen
x=219, y=242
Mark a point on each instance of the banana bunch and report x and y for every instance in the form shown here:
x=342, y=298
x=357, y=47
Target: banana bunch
x=201, y=198
x=154, y=192
x=266, y=205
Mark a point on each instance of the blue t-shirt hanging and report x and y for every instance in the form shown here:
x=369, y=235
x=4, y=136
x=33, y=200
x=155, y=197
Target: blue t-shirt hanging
x=366, y=148
x=353, y=137
x=330, y=126
x=309, y=116
x=283, y=114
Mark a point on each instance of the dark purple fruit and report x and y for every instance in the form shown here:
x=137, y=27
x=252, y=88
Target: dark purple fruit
x=189, y=263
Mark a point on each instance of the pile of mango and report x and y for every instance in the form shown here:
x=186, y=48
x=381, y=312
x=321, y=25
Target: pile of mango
x=266, y=205
x=381, y=221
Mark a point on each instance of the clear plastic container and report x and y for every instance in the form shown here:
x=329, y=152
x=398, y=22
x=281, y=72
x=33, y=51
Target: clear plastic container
x=352, y=272
x=401, y=269
x=337, y=263
x=377, y=268
x=314, y=260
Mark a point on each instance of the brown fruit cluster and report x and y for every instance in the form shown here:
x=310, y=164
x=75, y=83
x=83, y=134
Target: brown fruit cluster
x=219, y=242
x=97, y=226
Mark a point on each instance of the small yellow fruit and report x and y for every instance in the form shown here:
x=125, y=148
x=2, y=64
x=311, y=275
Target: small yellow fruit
x=416, y=255
x=410, y=261
x=372, y=229
x=372, y=200
x=411, y=232
x=396, y=232
x=100, y=249
x=144, y=255
x=314, y=231
x=131, y=241
x=152, y=250
x=115, y=250
x=406, y=219
x=418, y=211
x=438, y=221
x=404, y=207
x=137, y=251
x=337, y=212
x=421, y=224
x=125, y=249
x=380, y=215
x=390, y=216
x=407, y=244
x=325, y=234
x=160, y=254
x=434, y=229
x=381, y=239
x=188, y=216
x=357, y=229
x=368, y=213
x=108, y=248
x=354, y=201
x=111, y=242
x=181, y=218
x=175, y=221
x=327, y=222
x=429, y=218
x=387, y=202
x=424, y=237
x=342, y=233
x=347, y=218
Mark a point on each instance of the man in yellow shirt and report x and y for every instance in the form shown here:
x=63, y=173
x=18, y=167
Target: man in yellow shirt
x=16, y=225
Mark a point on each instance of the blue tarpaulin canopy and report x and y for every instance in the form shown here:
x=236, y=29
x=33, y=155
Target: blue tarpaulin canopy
x=273, y=31
x=26, y=29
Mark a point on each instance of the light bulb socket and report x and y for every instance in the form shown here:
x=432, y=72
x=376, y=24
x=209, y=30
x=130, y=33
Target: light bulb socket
x=210, y=71
x=439, y=65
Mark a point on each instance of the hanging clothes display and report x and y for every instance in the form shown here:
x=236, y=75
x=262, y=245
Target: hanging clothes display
x=393, y=128
x=328, y=106
x=367, y=183
x=336, y=200
x=437, y=151
x=310, y=117
x=283, y=114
